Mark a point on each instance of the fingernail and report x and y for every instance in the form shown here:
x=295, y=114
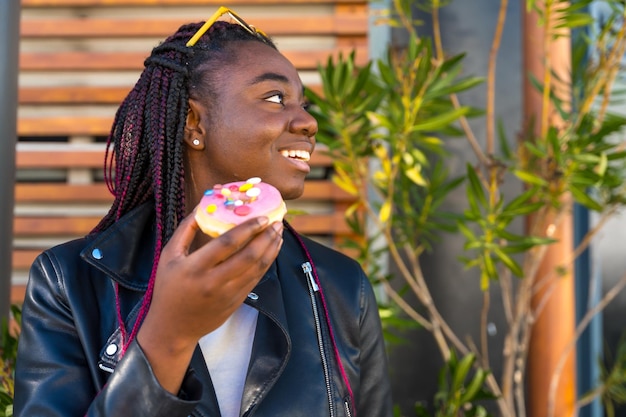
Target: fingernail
x=278, y=226
x=263, y=220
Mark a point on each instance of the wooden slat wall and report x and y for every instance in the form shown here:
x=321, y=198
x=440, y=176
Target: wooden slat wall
x=79, y=58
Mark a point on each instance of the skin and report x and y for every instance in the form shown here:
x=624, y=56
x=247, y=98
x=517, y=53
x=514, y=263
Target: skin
x=258, y=113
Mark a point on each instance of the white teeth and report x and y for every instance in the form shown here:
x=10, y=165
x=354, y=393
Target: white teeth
x=297, y=154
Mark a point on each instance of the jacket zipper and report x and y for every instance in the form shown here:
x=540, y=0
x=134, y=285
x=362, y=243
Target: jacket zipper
x=347, y=406
x=313, y=288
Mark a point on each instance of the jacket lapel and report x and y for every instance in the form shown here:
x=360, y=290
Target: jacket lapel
x=208, y=406
x=272, y=346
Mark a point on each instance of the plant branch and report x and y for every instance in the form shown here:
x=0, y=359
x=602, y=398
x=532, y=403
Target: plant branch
x=483, y=330
x=491, y=77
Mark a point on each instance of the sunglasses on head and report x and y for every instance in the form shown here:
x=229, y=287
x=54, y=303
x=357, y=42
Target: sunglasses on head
x=234, y=18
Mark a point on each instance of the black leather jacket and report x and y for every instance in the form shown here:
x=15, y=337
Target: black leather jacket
x=68, y=360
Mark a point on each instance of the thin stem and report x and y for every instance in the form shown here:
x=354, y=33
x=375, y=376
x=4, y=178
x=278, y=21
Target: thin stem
x=483, y=330
x=410, y=311
x=469, y=134
x=547, y=70
x=491, y=77
x=507, y=294
x=437, y=30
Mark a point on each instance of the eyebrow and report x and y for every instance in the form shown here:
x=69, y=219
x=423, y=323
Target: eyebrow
x=269, y=76
x=272, y=76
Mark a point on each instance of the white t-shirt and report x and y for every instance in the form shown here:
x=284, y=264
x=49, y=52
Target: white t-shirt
x=226, y=351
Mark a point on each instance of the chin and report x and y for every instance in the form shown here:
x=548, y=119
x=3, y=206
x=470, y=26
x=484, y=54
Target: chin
x=293, y=192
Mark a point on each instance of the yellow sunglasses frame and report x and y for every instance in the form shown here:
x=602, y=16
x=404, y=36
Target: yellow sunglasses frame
x=219, y=13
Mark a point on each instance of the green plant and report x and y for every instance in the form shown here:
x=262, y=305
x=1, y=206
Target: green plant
x=8, y=353
x=460, y=390
x=386, y=126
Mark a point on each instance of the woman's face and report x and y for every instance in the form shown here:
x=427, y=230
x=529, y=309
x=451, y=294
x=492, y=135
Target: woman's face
x=256, y=124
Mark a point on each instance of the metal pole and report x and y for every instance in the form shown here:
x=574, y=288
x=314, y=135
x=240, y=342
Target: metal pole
x=9, y=58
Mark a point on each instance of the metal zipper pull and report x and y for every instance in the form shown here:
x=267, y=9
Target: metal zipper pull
x=347, y=406
x=306, y=267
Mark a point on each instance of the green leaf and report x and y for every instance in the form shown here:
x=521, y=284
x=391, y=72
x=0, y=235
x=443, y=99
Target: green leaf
x=574, y=20
x=504, y=142
x=600, y=169
x=616, y=155
x=454, y=88
x=472, y=388
x=490, y=270
x=522, y=210
x=530, y=178
x=539, y=152
x=584, y=199
x=476, y=186
x=466, y=232
x=461, y=371
x=387, y=75
x=440, y=121
x=509, y=262
x=587, y=158
x=378, y=119
x=452, y=62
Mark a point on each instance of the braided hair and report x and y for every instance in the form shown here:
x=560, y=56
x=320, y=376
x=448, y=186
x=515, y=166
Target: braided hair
x=144, y=152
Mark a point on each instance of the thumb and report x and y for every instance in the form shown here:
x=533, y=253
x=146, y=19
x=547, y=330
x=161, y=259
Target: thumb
x=183, y=236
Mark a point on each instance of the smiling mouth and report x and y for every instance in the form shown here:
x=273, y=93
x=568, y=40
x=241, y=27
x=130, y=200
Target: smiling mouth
x=297, y=154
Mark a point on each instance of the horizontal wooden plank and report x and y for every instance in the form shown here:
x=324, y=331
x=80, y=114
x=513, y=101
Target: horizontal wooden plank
x=340, y=25
x=73, y=94
x=65, y=3
x=324, y=190
x=64, y=126
x=85, y=94
x=314, y=190
x=17, y=293
x=325, y=224
x=32, y=226
x=320, y=224
x=62, y=193
x=23, y=258
x=129, y=61
x=63, y=156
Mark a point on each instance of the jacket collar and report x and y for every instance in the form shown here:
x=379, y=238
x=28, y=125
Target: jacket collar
x=125, y=251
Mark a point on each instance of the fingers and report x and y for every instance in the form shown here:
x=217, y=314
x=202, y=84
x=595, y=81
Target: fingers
x=233, y=241
x=183, y=236
x=242, y=255
x=256, y=256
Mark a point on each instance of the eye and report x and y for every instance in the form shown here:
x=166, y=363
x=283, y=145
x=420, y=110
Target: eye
x=277, y=98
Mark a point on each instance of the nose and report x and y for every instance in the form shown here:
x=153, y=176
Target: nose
x=303, y=123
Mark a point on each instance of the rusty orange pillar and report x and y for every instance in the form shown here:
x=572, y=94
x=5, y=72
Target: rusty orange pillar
x=555, y=325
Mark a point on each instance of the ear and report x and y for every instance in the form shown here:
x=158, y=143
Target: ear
x=195, y=133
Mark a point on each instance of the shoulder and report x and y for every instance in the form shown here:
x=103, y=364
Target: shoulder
x=341, y=277
x=329, y=254
x=54, y=267
x=329, y=260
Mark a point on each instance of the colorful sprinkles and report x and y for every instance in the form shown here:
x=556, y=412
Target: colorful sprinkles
x=236, y=198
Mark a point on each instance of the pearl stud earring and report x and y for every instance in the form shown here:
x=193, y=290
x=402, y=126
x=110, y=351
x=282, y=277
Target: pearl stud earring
x=196, y=142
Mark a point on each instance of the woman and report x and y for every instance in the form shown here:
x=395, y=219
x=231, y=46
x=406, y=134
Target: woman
x=148, y=317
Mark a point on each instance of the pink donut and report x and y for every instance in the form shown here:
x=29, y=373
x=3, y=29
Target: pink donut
x=227, y=205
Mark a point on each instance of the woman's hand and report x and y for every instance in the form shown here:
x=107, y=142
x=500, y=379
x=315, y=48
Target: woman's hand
x=196, y=292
